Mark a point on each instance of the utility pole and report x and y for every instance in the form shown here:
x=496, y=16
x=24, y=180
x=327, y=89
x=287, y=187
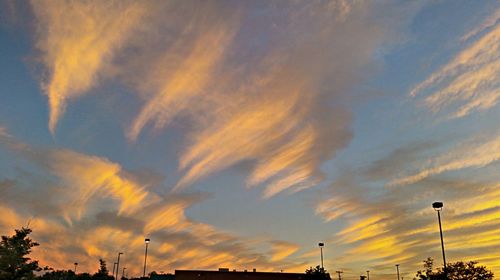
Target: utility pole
x=118, y=265
x=114, y=267
x=339, y=272
x=397, y=268
x=123, y=272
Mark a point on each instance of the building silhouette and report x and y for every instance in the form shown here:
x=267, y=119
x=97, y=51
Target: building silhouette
x=226, y=274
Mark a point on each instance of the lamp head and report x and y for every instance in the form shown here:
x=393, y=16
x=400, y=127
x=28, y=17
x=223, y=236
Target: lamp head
x=321, y=244
x=147, y=240
x=76, y=263
x=438, y=205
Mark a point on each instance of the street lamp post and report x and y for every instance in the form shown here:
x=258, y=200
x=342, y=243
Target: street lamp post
x=114, y=266
x=321, y=245
x=147, y=240
x=438, y=206
x=397, y=269
x=118, y=264
x=123, y=272
x=368, y=274
x=76, y=264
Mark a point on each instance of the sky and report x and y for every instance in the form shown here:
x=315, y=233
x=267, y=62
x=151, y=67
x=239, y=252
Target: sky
x=240, y=134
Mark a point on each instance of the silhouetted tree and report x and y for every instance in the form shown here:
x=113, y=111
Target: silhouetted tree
x=102, y=273
x=455, y=271
x=59, y=275
x=14, y=263
x=427, y=273
x=102, y=267
x=85, y=276
x=317, y=273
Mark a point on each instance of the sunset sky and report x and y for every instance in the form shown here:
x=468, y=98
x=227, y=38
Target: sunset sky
x=240, y=134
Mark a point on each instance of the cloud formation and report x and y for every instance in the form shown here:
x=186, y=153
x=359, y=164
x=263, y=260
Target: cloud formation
x=383, y=208
x=401, y=227
x=77, y=41
x=283, y=249
x=274, y=113
x=472, y=154
x=95, y=209
x=266, y=84
x=469, y=81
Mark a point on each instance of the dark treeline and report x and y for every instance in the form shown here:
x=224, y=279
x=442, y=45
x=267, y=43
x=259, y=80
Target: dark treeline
x=15, y=264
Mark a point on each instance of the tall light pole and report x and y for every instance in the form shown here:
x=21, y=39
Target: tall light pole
x=438, y=206
x=118, y=264
x=397, y=268
x=147, y=240
x=368, y=274
x=114, y=266
x=321, y=245
x=123, y=272
x=76, y=264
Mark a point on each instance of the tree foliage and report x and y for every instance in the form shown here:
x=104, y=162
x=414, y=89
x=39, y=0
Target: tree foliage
x=14, y=260
x=455, y=271
x=317, y=273
x=102, y=273
x=60, y=275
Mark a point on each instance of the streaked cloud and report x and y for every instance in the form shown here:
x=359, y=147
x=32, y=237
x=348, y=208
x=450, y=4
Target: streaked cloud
x=266, y=90
x=90, y=177
x=101, y=209
x=274, y=113
x=381, y=226
x=384, y=208
x=474, y=153
x=279, y=103
x=282, y=249
x=184, y=73
x=77, y=41
x=469, y=81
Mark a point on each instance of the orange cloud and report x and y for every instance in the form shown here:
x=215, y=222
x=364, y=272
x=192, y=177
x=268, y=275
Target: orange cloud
x=77, y=41
x=95, y=209
x=185, y=80
x=281, y=109
x=282, y=250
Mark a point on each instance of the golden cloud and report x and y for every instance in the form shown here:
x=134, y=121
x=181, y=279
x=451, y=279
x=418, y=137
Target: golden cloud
x=77, y=41
x=94, y=208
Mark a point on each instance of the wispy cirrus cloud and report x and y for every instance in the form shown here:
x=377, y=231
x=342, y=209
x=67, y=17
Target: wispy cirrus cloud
x=474, y=153
x=468, y=82
x=383, y=209
x=184, y=72
x=282, y=249
x=274, y=113
x=91, y=177
x=400, y=226
x=77, y=41
x=278, y=100
x=96, y=208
